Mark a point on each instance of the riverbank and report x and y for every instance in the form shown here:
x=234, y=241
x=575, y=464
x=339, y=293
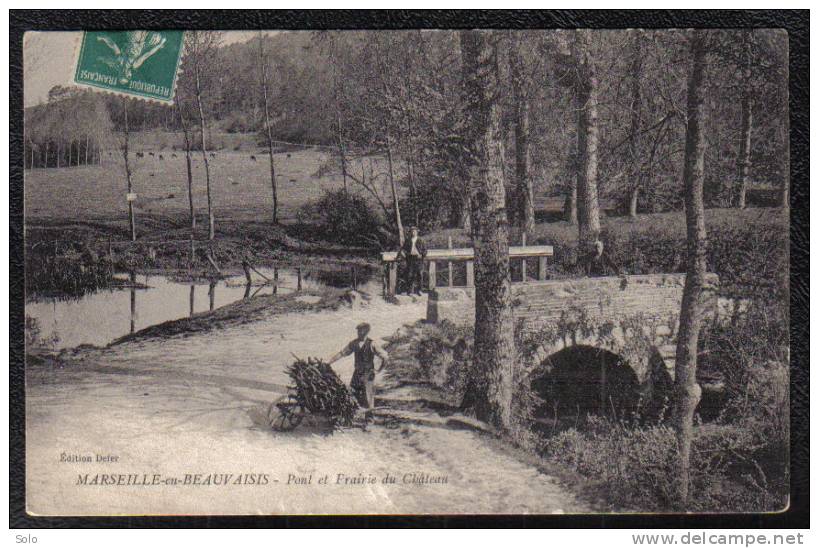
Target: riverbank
x=183, y=404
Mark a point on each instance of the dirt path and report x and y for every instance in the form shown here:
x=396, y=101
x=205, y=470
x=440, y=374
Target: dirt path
x=169, y=409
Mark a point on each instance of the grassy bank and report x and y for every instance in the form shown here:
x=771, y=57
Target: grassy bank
x=243, y=312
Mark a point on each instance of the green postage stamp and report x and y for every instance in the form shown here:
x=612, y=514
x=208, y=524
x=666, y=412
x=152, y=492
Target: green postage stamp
x=136, y=63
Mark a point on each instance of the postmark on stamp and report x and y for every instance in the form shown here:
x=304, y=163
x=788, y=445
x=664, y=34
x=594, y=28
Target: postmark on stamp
x=136, y=63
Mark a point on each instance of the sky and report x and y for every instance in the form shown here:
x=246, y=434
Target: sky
x=48, y=60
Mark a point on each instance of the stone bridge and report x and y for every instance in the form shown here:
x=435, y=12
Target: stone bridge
x=623, y=328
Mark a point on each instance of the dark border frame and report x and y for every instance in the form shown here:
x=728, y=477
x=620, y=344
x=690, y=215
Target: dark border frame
x=796, y=23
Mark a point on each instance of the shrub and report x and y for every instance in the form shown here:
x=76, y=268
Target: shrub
x=444, y=353
x=346, y=218
x=635, y=467
x=67, y=272
x=444, y=357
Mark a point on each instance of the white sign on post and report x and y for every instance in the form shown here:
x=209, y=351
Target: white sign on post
x=131, y=197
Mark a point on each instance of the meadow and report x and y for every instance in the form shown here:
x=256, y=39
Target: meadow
x=240, y=185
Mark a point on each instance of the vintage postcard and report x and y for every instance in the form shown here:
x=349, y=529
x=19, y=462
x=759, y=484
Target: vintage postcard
x=406, y=272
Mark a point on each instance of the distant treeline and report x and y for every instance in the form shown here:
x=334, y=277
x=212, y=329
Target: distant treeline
x=400, y=94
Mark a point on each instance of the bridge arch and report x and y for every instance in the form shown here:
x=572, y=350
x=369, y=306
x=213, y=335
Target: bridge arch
x=578, y=380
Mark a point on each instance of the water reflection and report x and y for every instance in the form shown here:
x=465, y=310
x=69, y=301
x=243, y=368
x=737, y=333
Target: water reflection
x=132, y=278
x=99, y=318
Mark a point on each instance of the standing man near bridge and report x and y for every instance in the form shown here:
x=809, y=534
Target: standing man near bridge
x=414, y=251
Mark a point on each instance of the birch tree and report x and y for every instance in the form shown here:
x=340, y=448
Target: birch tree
x=268, y=130
x=686, y=390
x=201, y=48
x=524, y=202
x=744, y=157
x=588, y=209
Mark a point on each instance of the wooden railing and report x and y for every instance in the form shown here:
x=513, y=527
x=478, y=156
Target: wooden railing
x=466, y=255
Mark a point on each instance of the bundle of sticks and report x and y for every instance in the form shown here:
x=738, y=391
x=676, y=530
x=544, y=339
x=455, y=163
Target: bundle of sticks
x=321, y=391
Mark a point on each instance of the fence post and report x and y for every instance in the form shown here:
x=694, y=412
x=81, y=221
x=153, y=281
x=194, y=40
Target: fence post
x=433, y=274
x=449, y=263
x=393, y=277
x=470, y=273
x=353, y=277
x=298, y=278
x=541, y=263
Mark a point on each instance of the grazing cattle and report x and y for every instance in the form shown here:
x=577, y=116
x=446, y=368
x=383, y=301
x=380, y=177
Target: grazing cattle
x=140, y=155
x=252, y=157
x=160, y=157
x=152, y=174
x=213, y=155
x=173, y=155
x=288, y=155
x=150, y=154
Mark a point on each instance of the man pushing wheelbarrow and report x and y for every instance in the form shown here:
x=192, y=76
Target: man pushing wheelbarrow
x=317, y=389
x=365, y=350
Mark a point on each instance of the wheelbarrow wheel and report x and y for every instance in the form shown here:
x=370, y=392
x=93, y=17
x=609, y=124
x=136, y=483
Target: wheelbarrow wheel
x=285, y=414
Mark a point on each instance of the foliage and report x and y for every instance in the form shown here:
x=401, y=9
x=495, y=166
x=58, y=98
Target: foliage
x=635, y=466
x=65, y=272
x=345, y=218
x=443, y=356
x=748, y=249
x=739, y=459
x=363, y=91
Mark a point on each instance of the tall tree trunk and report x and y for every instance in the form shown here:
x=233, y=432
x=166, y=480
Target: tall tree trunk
x=131, y=220
x=342, y=152
x=525, y=198
x=202, y=132
x=86, y=149
x=45, y=160
x=636, y=120
x=493, y=374
x=339, y=127
x=269, y=130
x=588, y=210
x=59, y=153
x=413, y=189
x=686, y=390
x=187, y=138
x=396, y=209
x=633, y=198
x=586, y=94
x=570, y=203
x=744, y=159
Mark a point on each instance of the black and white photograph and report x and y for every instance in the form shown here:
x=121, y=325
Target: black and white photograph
x=330, y=272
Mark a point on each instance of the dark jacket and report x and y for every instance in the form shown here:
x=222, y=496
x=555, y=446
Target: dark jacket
x=406, y=249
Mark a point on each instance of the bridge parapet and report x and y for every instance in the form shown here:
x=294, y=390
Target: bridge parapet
x=603, y=312
x=466, y=255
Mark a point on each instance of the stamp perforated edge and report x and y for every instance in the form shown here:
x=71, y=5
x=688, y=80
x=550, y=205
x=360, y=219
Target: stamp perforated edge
x=78, y=44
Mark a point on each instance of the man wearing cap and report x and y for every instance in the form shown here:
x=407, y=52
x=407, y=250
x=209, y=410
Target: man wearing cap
x=414, y=252
x=365, y=351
